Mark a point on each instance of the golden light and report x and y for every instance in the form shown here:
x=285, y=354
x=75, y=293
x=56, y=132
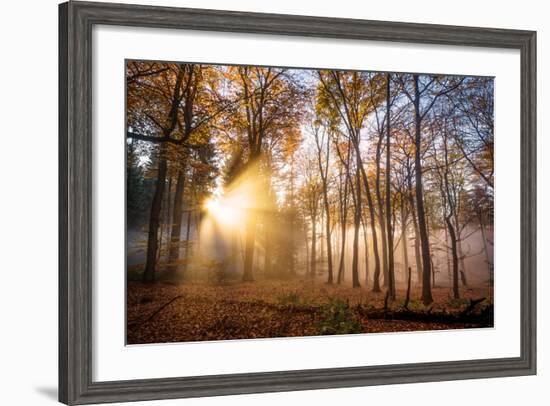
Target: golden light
x=212, y=205
x=226, y=211
x=232, y=205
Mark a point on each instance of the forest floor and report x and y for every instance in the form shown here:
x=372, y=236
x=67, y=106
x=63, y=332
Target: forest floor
x=165, y=312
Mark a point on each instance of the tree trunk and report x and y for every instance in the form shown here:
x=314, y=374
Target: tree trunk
x=164, y=238
x=307, y=250
x=381, y=220
x=313, y=267
x=343, y=225
x=485, y=246
x=341, y=264
x=376, y=282
x=249, y=248
x=408, y=296
x=357, y=224
x=234, y=251
x=450, y=203
x=454, y=251
x=365, y=242
x=449, y=265
x=292, y=246
x=321, y=238
x=328, y=237
x=251, y=221
x=426, y=260
x=404, y=240
x=417, y=255
x=462, y=265
x=267, y=240
x=176, y=222
x=324, y=174
x=198, y=221
x=292, y=218
x=187, y=235
x=154, y=220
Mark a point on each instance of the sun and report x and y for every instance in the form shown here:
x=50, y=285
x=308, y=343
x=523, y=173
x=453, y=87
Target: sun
x=212, y=205
x=225, y=211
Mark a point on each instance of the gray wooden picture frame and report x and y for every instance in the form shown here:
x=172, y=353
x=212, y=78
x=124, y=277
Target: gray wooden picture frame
x=76, y=20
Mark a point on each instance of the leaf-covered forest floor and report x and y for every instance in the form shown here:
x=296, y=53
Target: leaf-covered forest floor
x=165, y=312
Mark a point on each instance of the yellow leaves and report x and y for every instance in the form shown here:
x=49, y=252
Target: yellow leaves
x=348, y=97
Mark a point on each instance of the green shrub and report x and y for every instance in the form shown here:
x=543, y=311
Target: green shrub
x=457, y=303
x=338, y=318
x=416, y=305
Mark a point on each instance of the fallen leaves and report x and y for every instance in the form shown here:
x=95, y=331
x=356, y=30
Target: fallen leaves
x=162, y=313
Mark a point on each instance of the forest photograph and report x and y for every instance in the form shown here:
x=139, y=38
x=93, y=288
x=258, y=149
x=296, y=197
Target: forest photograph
x=267, y=202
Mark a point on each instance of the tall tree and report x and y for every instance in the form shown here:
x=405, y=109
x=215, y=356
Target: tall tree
x=164, y=109
x=346, y=96
x=201, y=106
x=391, y=274
x=271, y=104
x=357, y=225
x=449, y=201
x=422, y=226
x=431, y=91
x=166, y=122
x=343, y=193
x=322, y=142
x=311, y=193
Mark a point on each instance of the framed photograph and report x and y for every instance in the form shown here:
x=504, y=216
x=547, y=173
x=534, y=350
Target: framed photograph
x=258, y=202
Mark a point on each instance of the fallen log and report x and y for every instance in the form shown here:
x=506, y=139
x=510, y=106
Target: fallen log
x=466, y=316
x=484, y=318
